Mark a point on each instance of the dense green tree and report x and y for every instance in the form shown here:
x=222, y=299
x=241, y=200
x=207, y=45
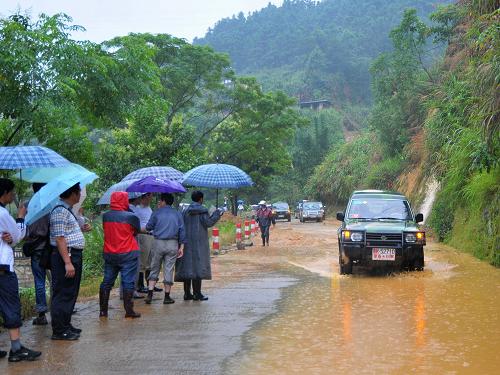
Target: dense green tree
x=42, y=80
x=256, y=136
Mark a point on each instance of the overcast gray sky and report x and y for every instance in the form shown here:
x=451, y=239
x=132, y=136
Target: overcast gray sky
x=105, y=19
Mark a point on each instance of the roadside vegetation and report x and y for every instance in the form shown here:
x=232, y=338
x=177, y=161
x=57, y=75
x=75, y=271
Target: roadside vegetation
x=454, y=106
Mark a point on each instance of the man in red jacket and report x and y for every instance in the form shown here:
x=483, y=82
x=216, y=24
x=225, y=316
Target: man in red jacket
x=121, y=253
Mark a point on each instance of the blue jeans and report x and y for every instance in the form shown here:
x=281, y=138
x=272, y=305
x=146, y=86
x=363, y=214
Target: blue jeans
x=39, y=274
x=126, y=264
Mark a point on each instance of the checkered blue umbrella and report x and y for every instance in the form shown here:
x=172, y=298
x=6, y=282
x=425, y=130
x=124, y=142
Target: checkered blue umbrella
x=219, y=176
x=21, y=157
x=165, y=173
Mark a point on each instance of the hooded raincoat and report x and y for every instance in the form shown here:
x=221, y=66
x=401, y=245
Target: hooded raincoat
x=195, y=263
x=120, y=226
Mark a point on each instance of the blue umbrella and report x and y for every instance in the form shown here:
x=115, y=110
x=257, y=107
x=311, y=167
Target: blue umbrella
x=220, y=176
x=120, y=186
x=46, y=174
x=165, y=173
x=156, y=185
x=21, y=157
x=47, y=197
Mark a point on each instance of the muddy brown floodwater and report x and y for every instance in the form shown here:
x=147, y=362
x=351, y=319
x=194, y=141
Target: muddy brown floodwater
x=285, y=309
x=443, y=320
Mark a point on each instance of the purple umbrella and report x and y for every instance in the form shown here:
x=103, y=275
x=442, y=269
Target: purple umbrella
x=153, y=184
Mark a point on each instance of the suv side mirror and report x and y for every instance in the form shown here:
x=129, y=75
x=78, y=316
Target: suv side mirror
x=340, y=216
x=419, y=218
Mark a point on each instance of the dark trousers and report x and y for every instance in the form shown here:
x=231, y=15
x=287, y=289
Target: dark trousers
x=10, y=304
x=196, y=286
x=39, y=275
x=125, y=264
x=264, y=232
x=64, y=290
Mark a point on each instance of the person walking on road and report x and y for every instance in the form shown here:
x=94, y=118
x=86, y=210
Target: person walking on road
x=37, y=236
x=67, y=241
x=167, y=226
x=121, y=253
x=265, y=218
x=12, y=232
x=194, y=266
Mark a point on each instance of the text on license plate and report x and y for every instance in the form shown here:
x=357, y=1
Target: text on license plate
x=383, y=254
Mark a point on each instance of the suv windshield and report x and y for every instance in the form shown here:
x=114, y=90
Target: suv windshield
x=280, y=206
x=312, y=206
x=378, y=208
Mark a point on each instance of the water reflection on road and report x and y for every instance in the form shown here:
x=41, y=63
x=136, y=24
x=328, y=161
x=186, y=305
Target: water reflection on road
x=443, y=320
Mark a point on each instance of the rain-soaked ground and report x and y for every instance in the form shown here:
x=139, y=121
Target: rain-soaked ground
x=285, y=309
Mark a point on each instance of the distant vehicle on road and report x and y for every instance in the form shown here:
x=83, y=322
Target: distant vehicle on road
x=281, y=210
x=311, y=211
x=378, y=230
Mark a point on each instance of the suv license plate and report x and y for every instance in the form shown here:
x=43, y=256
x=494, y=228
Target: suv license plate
x=383, y=254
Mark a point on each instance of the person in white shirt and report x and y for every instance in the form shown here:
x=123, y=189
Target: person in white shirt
x=143, y=211
x=12, y=231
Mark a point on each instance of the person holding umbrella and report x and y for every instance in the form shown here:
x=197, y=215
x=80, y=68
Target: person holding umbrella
x=194, y=265
x=265, y=218
x=67, y=241
x=35, y=242
x=167, y=226
x=12, y=231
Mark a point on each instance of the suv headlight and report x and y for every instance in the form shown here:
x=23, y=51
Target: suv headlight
x=357, y=237
x=410, y=237
x=415, y=237
x=347, y=235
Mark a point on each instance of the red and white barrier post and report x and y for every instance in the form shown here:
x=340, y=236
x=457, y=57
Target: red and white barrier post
x=247, y=230
x=252, y=227
x=238, y=232
x=215, y=240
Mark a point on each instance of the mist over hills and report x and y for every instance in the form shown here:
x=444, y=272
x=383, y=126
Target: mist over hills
x=313, y=49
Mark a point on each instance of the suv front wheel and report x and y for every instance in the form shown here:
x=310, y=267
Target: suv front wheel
x=345, y=266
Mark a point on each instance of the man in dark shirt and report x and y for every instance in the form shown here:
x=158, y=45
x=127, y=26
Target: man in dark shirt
x=37, y=236
x=167, y=226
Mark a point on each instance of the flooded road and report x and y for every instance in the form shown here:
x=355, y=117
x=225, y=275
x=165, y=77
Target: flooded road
x=284, y=309
x=443, y=320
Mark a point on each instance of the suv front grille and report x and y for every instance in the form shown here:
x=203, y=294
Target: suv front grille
x=384, y=239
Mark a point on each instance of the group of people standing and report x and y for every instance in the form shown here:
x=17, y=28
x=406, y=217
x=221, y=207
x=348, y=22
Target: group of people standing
x=137, y=243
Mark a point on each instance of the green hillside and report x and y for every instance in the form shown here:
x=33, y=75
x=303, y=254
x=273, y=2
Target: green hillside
x=313, y=49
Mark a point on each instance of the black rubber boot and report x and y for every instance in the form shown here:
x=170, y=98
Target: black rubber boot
x=128, y=304
x=187, y=291
x=149, y=297
x=197, y=296
x=140, y=284
x=103, y=302
x=140, y=281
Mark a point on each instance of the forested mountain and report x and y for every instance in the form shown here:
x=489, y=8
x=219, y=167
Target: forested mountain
x=313, y=49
